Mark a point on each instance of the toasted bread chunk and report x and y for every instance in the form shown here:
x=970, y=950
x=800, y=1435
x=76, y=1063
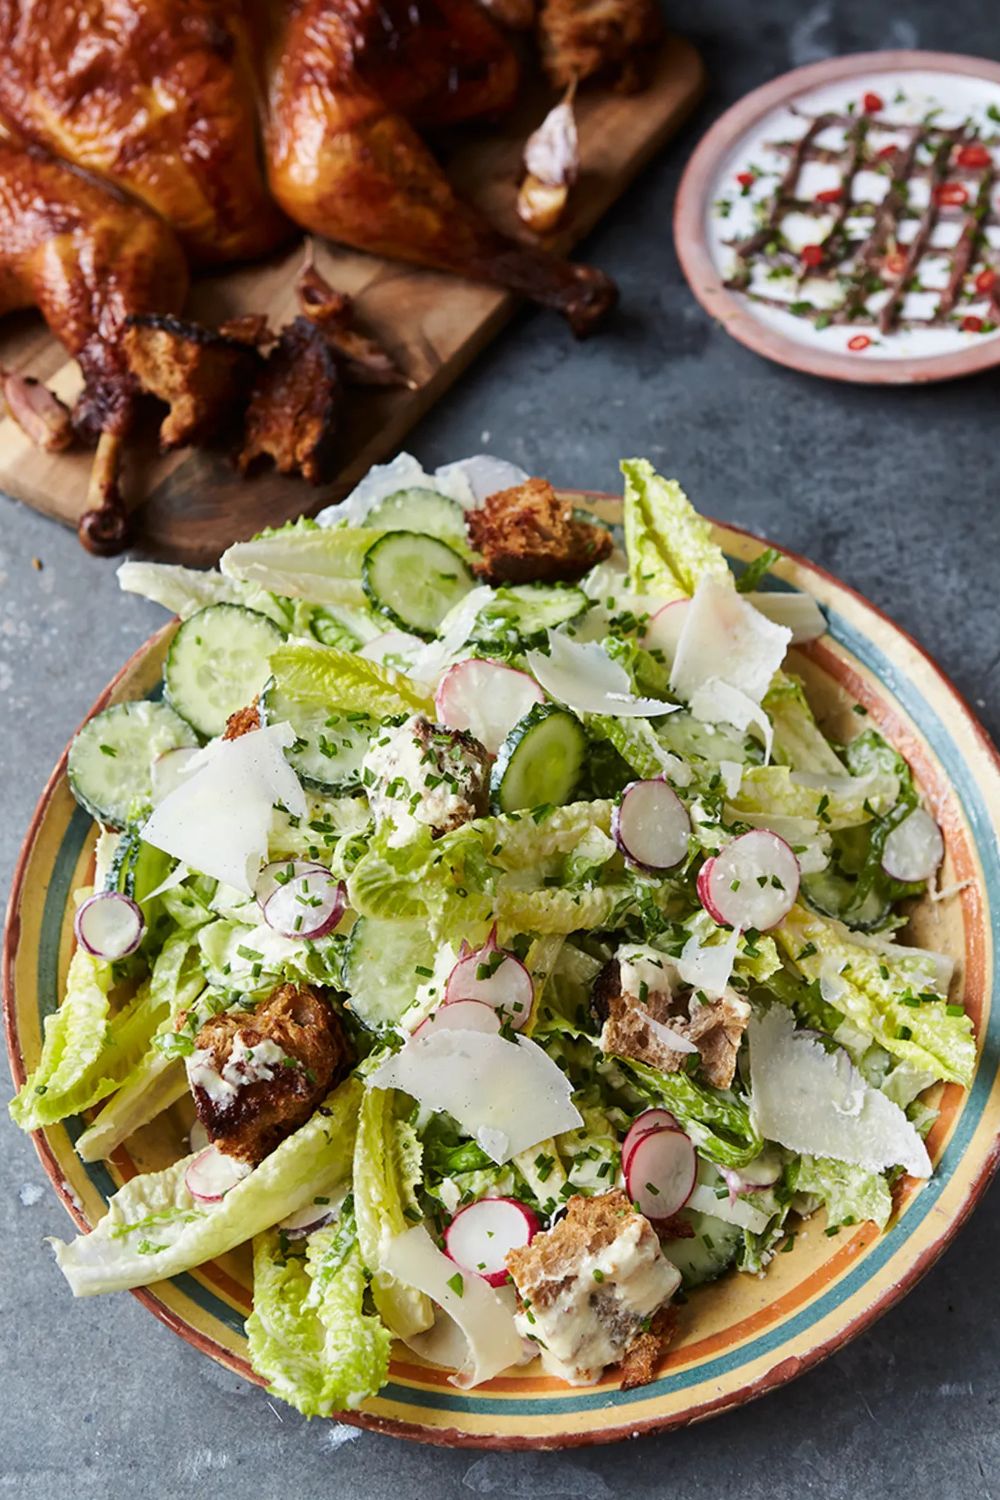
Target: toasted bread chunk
x=529, y=534
x=590, y=1288
x=243, y=721
x=258, y=1075
x=294, y=405
x=641, y=1003
x=583, y=39
x=203, y=376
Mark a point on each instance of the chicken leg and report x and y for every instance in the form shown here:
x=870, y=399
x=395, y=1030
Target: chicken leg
x=156, y=96
x=344, y=162
x=86, y=258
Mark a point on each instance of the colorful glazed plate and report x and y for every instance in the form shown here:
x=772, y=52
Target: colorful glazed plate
x=742, y=1336
x=715, y=203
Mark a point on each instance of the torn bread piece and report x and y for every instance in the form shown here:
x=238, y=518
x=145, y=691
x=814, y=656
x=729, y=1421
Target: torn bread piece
x=594, y=1290
x=294, y=405
x=529, y=534
x=204, y=377
x=649, y=1015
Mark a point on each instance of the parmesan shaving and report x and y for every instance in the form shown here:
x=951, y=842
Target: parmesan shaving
x=583, y=676
x=725, y=639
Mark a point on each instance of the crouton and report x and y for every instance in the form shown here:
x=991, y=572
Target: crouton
x=529, y=534
x=258, y=1075
x=590, y=1288
x=294, y=405
x=243, y=721
x=644, y=1010
x=203, y=376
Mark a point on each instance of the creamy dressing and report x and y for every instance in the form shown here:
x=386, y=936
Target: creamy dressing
x=606, y=1299
x=245, y=1064
x=415, y=782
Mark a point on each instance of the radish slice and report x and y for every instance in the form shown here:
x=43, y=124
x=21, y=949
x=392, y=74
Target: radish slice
x=651, y=826
x=212, y=1173
x=760, y=1173
x=664, y=628
x=274, y=876
x=497, y=977
x=170, y=769
x=308, y=906
x=649, y=1120
x=198, y=1137
x=480, y=1237
x=305, y=1220
x=661, y=1173
x=109, y=926
x=460, y=1015
x=914, y=848
x=486, y=698
x=752, y=882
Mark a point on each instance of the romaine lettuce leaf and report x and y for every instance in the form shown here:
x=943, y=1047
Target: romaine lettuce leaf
x=343, y=682
x=669, y=546
x=154, y=1228
x=185, y=590
x=851, y=1195
x=835, y=803
x=319, y=1353
x=314, y=563
x=718, y=1123
x=890, y=997
x=387, y=1170
x=798, y=740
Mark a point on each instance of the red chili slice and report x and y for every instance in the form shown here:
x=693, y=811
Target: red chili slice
x=951, y=194
x=986, y=281
x=811, y=255
x=973, y=156
x=887, y=151
x=895, y=263
x=972, y=324
x=830, y=195
x=872, y=103
x=858, y=342
x=745, y=179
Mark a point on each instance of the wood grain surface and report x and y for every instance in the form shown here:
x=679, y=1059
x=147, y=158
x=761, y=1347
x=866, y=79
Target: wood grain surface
x=189, y=505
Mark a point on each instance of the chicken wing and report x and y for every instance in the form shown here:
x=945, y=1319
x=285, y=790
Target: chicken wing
x=157, y=96
x=345, y=162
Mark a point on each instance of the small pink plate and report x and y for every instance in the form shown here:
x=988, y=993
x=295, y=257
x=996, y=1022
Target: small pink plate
x=929, y=120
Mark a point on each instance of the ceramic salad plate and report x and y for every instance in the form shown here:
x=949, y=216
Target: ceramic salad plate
x=743, y=1335
x=844, y=219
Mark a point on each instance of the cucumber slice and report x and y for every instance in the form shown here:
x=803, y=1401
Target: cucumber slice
x=137, y=868
x=111, y=759
x=330, y=747
x=427, y=512
x=218, y=662
x=540, y=762
x=831, y=894
x=708, y=1253
x=414, y=580
x=381, y=969
x=524, y=612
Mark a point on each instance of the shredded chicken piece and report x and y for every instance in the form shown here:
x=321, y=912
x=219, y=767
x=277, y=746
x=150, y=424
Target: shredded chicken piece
x=292, y=416
x=528, y=534
x=582, y=39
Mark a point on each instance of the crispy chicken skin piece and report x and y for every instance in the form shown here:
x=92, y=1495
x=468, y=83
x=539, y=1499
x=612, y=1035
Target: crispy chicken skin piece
x=364, y=361
x=294, y=405
x=581, y=39
x=156, y=96
x=629, y=1025
x=258, y=1075
x=39, y=413
x=594, y=1290
x=85, y=257
x=347, y=87
x=203, y=376
x=243, y=721
x=529, y=534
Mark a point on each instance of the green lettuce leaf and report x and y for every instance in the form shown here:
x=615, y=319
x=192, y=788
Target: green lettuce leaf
x=842, y=803
x=340, y=681
x=387, y=1170
x=851, y=1195
x=154, y=1228
x=314, y=563
x=798, y=740
x=718, y=1123
x=320, y=1353
x=669, y=546
x=185, y=590
x=639, y=747
x=889, y=997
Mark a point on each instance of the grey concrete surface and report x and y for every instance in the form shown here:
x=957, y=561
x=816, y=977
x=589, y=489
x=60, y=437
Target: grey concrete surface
x=894, y=490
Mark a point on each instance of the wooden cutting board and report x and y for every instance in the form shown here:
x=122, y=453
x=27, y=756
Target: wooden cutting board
x=191, y=504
